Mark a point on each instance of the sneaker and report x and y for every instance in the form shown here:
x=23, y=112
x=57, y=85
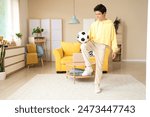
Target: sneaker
x=88, y=71
x=97, y=88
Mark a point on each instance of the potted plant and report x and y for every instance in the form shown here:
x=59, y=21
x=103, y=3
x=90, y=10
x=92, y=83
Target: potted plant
x=3, y=46
x=37, y=31
x=18, y=41
x=19, y=35
x=116, y=24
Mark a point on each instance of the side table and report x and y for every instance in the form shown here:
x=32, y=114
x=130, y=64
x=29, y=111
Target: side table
x=42, y=42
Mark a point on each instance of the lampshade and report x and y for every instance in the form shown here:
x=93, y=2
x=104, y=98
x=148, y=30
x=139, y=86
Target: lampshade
x=74, y=20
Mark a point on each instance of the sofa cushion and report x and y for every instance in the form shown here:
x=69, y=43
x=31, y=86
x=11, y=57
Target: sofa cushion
x=69, y=59
x=66, y=59
x=92, y=59
x=70, y=47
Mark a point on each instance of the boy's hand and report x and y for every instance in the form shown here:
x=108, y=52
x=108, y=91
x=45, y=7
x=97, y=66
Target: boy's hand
x=113, y=55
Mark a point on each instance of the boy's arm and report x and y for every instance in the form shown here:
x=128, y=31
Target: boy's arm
x=114, y=41
x=114, y=45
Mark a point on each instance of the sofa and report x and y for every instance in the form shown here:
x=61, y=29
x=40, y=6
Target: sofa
x=64, y=55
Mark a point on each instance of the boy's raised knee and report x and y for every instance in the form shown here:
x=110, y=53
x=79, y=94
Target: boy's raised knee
x=83, y=46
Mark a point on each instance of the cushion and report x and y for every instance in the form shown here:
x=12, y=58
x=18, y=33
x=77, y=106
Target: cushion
x=31, y=48
x=70, y=47
x=40, y=50
x=66, y=59
x=69, y=59
x=32, y=58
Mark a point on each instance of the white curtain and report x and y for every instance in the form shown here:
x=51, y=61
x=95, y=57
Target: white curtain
x=9, y=19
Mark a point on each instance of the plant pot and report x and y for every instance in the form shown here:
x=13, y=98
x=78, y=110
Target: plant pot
x=13, y=43
x=31, y=40
x=2, y=75
x=18, y=42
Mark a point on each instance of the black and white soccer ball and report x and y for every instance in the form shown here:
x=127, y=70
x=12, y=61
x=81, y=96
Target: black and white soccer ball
x=82, y=37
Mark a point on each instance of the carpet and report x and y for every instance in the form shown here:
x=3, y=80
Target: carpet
x=57, y=86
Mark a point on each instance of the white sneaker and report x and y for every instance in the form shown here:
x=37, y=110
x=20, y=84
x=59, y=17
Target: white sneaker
x=97, y=88
x=88, y=71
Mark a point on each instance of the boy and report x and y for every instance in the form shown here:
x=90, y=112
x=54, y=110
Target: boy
x=101, y=34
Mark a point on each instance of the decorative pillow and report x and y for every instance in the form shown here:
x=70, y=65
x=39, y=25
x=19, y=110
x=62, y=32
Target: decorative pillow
x=70, y=47
x=31, y=48
x=40, y=51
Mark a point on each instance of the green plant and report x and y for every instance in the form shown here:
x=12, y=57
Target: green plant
x=19, y=35
x=37, y=30
x=3, y=45
x=116, y=24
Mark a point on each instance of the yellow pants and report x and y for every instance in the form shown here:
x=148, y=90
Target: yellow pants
x=99, y=51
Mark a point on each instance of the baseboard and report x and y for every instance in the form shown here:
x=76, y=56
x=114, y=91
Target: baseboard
x=59, y=72
x=134, y=60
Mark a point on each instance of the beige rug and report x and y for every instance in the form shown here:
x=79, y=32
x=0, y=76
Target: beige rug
x=57, y=86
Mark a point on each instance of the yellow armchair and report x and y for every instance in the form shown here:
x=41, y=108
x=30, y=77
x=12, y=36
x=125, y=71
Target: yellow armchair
x=64, y=55
x=32, y=56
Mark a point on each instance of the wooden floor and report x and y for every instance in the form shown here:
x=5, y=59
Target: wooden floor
x=16, y=80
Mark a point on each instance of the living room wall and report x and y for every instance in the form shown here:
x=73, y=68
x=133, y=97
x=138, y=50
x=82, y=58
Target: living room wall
x=133, y=14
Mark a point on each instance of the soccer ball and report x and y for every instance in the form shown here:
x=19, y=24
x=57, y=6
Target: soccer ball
x=82, y=37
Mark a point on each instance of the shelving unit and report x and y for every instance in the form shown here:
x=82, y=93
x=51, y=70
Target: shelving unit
x=120, y=44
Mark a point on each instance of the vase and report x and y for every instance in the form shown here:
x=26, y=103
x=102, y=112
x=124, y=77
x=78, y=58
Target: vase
x=31, y=40
x=18, y=42
x=2, y=75
x=13, y=43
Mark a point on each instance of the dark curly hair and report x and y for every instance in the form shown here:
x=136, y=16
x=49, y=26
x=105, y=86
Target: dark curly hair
x=101, y=8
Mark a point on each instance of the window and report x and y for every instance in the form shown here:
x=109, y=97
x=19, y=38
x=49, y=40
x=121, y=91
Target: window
x=9, y=18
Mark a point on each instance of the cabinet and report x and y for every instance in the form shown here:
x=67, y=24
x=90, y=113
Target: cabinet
x=56, y=35
x=87, y=23
x=52, y=33
x=14, y=59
